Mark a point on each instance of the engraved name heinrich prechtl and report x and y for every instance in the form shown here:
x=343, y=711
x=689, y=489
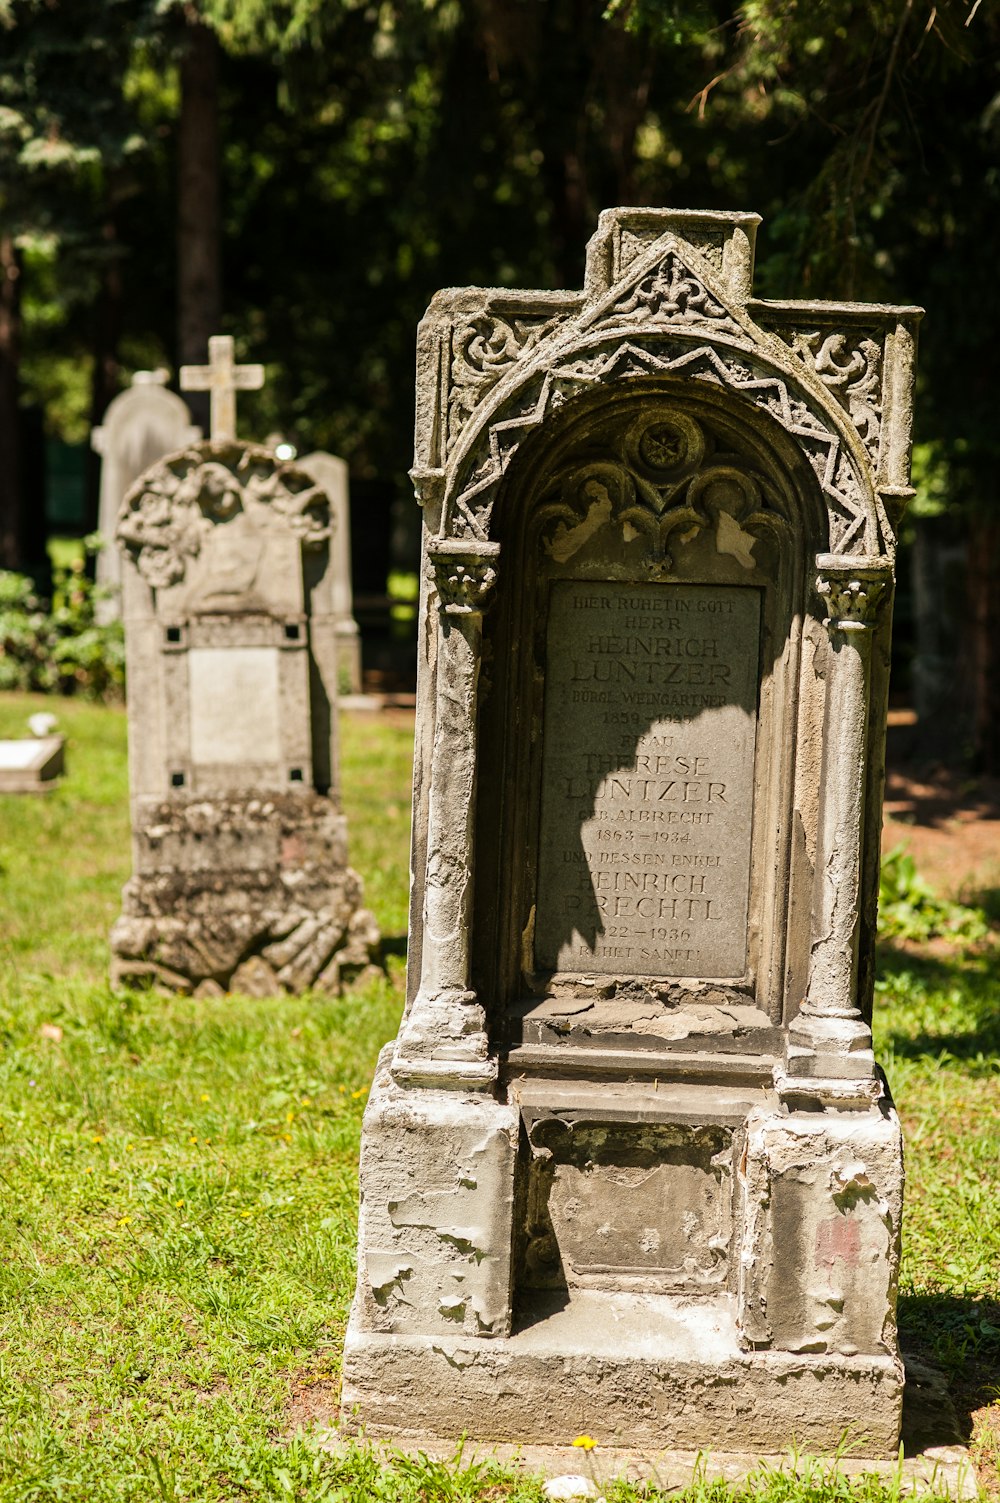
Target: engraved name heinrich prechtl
x=647, y=780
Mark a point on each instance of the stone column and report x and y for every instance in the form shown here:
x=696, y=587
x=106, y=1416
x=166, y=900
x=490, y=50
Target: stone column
x=829, y=1050
x=443, y=1041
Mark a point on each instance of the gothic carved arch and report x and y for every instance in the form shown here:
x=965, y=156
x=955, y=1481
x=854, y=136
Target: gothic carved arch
x=823, y=373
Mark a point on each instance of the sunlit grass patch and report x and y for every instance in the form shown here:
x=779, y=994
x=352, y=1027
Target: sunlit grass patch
x=178, y=1181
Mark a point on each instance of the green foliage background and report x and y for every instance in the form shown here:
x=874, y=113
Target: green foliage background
x=374, y=152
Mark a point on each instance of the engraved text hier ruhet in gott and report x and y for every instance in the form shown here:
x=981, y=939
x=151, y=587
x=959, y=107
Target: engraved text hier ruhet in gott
x=647, y=780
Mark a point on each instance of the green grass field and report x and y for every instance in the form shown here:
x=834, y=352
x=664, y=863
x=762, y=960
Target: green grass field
x=178, y=1178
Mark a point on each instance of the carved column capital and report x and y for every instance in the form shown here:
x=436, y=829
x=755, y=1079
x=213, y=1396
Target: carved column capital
x=465, y=574
x=853, y=589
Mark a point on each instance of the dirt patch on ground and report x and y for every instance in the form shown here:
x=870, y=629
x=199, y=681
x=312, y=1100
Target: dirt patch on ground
x=949, y=823
x=314, y=1401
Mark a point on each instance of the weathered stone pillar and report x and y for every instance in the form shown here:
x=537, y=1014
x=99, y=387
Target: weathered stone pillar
x=444, y=1041
x=829, y=1054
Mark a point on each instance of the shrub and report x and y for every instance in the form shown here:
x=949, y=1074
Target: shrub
x=908, y=908
x=60, y=647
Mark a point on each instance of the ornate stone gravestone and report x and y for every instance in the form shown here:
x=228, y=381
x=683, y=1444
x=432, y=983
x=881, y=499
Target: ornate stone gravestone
x=629, y=1167
x=330, y=472
x=240, y=877
x=140, y=426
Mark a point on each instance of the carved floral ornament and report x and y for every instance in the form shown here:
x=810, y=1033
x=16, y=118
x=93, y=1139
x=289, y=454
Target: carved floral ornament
x=465, y=578
x=853, y=598
x=851, y=369
x=668, y=314
x=171, y=509
x=660, y=488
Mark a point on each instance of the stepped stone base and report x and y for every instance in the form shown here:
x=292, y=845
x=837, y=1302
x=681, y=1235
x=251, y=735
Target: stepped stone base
x=629, y=1370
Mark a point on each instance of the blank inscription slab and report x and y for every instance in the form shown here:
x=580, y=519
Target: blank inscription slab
x=647, y=780
x=235, y=710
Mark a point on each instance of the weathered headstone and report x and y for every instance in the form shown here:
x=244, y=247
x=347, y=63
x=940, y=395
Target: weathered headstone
x=240, y=877
x=140, y=426
x=629, y=1167
x=331, y=473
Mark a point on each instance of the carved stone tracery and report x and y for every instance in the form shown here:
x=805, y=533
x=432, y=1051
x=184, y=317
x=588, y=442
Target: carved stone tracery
x=168, y=514
x=658, y=485
x=671, y=292
x=851, y=369
x=482, y=351
x=662, y=315
x=851, y=517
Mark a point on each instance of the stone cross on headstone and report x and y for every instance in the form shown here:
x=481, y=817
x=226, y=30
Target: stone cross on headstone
x=223, y=378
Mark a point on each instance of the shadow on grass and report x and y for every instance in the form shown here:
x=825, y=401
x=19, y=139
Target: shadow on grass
x=394, y=944
x=986, y=898
x=954, y=1338
x=969, y=995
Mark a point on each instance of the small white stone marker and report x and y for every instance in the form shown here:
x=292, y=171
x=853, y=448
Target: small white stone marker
x=223, y=378
x=571, y=1485
x=42, y=724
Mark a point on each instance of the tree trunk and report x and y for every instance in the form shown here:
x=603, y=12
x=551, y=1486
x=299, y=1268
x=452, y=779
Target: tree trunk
x=199, y=277
x=11, y=519
x=984, y=641
x=104, y=382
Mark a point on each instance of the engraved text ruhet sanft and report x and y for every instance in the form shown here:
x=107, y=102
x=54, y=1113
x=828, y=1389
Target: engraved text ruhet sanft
x=647, y=780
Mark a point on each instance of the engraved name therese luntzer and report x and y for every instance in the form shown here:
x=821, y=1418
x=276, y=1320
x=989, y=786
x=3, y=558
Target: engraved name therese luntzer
x=647, y=782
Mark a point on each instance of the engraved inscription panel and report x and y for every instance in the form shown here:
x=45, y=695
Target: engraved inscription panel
x=647, y=780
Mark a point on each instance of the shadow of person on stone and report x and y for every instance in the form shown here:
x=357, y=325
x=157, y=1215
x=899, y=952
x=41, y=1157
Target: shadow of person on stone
x=641, y=816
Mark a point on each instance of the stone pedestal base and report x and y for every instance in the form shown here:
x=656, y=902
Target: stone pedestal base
x=628, y=1370
x=242, y=895
x=681, y=1267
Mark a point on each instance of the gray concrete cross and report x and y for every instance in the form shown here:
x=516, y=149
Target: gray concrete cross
x=223, y=378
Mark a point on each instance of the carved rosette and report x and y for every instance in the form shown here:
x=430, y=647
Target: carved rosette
x=465, y=578
x=169, y=511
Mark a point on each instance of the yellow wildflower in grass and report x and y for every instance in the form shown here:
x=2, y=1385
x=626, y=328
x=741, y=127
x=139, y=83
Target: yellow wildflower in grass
x=290, y=1117
x=307, y=1101
x=287, y=1137
x=356, y=1095
x=205, y=1096
x=246, y=1213
x=585, y=1442
x=192, y=1140
x=130, y=1148
x=97, y=1138
x=179, y=1203
x=124, y=1220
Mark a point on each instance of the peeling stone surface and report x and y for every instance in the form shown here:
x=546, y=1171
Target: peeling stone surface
x=629, y=1168
x=437, y=1203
